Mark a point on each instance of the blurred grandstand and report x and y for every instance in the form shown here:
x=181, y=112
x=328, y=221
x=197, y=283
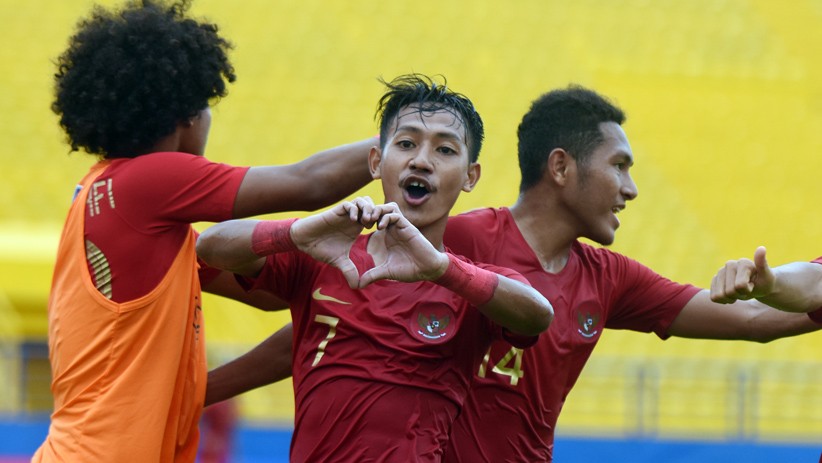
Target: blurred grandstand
x=724, y=98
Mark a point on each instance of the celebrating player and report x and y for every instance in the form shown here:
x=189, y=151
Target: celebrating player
x=381, y=370
x=575, y=162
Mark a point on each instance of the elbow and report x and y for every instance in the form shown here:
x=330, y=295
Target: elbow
x=540, y=319
x=546, y=317
x=202, y=248
x=205, y=248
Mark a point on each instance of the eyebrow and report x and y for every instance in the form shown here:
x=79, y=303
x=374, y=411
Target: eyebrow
x=626, y=157
x=414, y=129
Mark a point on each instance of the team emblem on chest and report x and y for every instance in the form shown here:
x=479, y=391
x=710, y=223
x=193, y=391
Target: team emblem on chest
x=432, y=323
x=587, y=324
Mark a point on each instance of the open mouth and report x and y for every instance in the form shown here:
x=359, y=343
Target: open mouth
x=416, y=190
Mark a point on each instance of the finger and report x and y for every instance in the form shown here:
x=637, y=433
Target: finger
x=370, y=215
x=365, y=205
x=372, y=275
x=349, y=271
x=392, y=207
x=744, y=279
x=387, y=220
x=719, y=291
x=351, y=209
x=716, y=291
x=760, y=260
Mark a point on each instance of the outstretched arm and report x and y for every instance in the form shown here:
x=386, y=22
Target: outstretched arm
x=266, y=364
x=794, y=287
x=240, y=246
x=315, y=182
x=750, y=320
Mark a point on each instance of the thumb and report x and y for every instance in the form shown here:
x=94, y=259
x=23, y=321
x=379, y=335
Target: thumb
x=760, y=260
x=372, y=275
x=349, y=271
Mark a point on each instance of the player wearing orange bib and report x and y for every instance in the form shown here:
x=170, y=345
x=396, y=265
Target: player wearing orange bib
x=126, y=331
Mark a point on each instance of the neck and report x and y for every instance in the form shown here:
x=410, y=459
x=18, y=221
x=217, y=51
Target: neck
x=545, y=228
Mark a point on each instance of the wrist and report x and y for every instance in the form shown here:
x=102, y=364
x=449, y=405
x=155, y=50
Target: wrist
x=272, y=236
x=475, y=284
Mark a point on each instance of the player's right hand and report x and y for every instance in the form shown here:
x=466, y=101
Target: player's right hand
x=328, y=236
x=743, y=279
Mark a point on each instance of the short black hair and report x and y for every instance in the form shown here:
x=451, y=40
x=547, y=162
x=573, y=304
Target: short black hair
x=130, y=75
x=566, y=118
x=423, y=92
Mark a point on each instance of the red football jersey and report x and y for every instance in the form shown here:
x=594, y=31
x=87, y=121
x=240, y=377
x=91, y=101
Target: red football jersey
x=380, y=373
x=512, y=408
x=140, y=210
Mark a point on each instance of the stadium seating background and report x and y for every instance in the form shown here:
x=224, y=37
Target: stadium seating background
x=724, y=104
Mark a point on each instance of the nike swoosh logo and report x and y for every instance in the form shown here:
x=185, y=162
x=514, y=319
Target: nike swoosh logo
x=318, y=296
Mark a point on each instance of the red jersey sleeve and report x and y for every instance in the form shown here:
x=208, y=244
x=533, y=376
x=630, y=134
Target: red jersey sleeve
x=644, y=300
x=180, y=187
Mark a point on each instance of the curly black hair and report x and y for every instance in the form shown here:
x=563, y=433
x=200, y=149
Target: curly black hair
x=129, y=76
x=422, y=92
x=566, y=118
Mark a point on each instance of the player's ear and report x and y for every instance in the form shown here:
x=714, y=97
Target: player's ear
x=472, y=177
x=558, y=166
x=374, y=161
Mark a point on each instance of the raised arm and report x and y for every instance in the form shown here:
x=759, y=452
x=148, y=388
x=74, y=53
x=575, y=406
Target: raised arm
x=794, y=287
x=317, y=181
x=267, y=363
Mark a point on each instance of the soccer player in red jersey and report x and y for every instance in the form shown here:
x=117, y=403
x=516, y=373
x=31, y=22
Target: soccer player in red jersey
x=388, y=327
x=575, y=163
x=126, y=334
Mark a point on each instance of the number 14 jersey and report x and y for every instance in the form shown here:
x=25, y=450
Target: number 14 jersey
x=513, y=406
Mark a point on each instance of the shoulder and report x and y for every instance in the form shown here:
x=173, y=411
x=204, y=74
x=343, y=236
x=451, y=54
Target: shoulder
x=489, y=220
x=607, y=262
x=483, y=215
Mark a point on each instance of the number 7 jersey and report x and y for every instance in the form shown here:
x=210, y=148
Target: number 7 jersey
x=380, y=373
x=514, y=403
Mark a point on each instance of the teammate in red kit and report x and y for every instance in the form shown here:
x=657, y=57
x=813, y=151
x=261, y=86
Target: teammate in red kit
x=388, y=327
x=575, y=160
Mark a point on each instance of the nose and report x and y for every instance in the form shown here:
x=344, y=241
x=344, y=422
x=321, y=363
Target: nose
x=629, y=188
x=421, y=160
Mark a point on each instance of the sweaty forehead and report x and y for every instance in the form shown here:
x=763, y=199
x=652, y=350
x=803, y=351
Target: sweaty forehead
x=444, y=121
